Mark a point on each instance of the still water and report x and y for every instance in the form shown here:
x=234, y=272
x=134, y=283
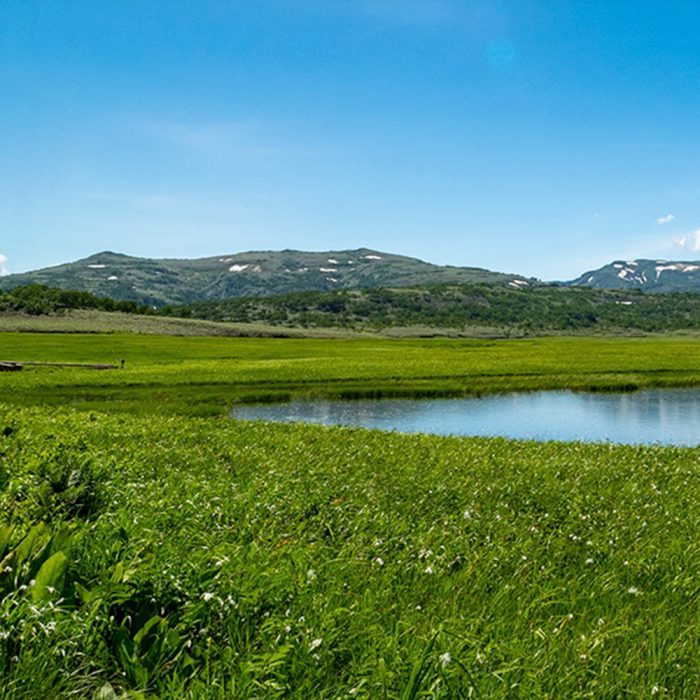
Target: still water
x=664, y=416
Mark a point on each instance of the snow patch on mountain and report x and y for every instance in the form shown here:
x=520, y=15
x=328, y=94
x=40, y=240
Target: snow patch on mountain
x=647, y=275
x=628, y=272
x=675, y=267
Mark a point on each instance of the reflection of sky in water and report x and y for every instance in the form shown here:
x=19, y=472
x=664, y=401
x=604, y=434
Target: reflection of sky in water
x=670, y=416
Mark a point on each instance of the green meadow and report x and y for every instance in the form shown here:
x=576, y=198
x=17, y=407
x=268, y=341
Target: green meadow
x=207, y=375
x=152, y=548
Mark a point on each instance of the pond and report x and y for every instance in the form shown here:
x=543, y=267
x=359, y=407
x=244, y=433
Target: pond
x=659, y=416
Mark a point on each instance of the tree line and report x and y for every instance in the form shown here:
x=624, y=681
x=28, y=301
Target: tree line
x=450, y=306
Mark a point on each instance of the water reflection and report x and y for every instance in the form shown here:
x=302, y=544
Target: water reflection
x=667, y=416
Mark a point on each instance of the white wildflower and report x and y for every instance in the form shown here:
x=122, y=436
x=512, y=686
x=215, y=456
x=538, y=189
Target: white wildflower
x=315, y=644
x=445, y=659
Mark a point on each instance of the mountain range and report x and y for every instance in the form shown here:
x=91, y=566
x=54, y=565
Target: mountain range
x=251, y=274
x=161, y=282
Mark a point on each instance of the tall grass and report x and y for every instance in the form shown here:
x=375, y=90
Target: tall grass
x=215, y=559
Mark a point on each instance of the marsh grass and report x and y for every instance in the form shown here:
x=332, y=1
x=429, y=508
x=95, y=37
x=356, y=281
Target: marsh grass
x=233, y=559
x=150, y=554
x=206, y=376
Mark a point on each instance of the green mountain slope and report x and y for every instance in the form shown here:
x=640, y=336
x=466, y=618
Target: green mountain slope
x=647, y=275
x=250, y=274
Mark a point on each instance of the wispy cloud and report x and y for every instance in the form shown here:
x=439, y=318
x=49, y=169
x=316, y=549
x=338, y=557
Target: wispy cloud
x=229, y=140
x=223, y=139
x=689, y=241
x=665, y=219
x=137, y=200
x=3, y=269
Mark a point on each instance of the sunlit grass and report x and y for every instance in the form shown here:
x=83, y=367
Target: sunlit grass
x=208, y=375
x=270, y=561
x=183, y=557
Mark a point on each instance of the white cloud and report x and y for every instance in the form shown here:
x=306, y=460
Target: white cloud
x=3, y=269
x=665, y=219
x=689, y=241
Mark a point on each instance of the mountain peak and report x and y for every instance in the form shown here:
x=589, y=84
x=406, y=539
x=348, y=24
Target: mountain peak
x=643, y=274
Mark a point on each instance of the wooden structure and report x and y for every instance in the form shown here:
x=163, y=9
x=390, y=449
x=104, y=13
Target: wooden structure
x=12, y=366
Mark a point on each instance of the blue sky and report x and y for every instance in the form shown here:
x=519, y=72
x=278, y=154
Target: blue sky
x=544, y=137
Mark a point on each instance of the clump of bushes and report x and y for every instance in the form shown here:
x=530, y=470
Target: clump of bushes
x=38, y=299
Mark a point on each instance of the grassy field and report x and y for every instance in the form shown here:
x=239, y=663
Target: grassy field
x=205, y=558
x=207, y=375
x=150, y=553
x=95, y=321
